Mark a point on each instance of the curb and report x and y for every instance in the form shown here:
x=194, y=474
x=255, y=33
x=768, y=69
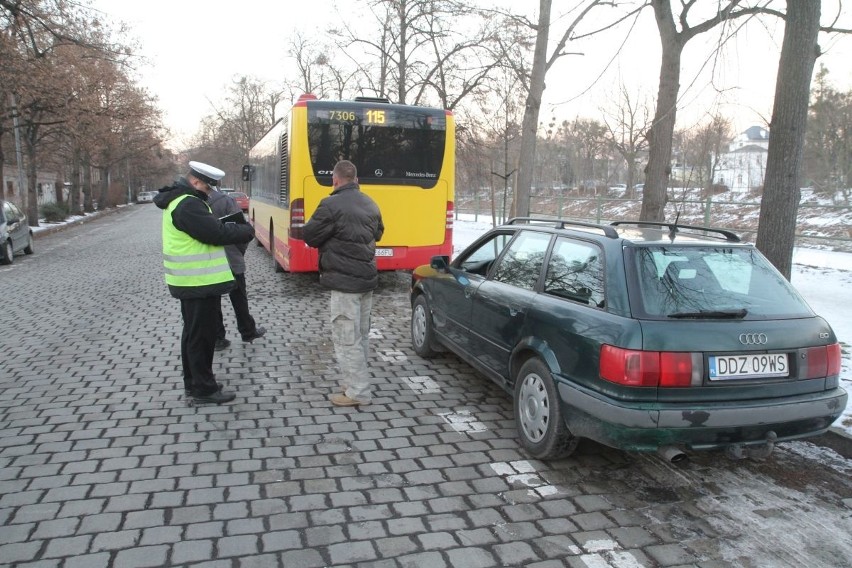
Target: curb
x=51, y=228
x=835, y=439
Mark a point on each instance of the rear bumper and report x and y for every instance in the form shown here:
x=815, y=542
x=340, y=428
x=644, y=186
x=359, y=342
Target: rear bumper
x=648, y=426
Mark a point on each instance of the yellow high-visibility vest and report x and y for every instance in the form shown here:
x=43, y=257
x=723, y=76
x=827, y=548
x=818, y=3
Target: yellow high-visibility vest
x=190, y=263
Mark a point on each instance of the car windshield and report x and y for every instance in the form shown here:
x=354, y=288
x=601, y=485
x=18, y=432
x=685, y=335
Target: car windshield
x=711, y=283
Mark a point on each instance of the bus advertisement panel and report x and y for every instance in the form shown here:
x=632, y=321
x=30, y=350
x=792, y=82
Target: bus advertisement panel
x=405, y=157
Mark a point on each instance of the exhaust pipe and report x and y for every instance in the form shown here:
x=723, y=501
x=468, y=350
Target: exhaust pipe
x=671, y=454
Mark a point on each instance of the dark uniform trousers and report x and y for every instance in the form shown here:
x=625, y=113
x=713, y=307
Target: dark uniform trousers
x=239, y=299
x=197, y=342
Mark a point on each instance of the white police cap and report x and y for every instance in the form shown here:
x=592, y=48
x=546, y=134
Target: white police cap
x=206, y=173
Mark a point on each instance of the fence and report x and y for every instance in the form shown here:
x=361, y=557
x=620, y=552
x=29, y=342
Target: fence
x=818, y=224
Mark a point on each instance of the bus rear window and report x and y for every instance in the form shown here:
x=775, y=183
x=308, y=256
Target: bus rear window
x=388, y=144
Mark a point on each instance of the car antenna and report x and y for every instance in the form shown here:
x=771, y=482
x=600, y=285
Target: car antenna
x=673, y=227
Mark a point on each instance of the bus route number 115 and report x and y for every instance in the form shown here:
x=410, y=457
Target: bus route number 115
x=375, y=117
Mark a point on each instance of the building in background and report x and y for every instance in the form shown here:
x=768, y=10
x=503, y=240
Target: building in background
x=743, y=167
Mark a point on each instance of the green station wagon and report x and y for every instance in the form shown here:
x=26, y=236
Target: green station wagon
x=645, y=337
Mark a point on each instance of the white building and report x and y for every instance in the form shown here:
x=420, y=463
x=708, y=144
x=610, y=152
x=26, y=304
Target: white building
x=45, y=186
x=743, y=166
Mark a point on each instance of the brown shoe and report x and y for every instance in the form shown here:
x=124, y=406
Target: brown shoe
x=343, y=400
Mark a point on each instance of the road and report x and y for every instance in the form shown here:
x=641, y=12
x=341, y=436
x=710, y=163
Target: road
x=102, y=463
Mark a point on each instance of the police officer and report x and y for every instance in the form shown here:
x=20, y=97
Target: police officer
x=197, y=273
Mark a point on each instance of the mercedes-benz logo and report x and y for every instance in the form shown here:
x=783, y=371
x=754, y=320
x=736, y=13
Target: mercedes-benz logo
x=753, y=338
x=379, y=172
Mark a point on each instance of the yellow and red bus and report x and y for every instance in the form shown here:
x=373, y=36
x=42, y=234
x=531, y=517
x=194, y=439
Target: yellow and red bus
x=405, y=157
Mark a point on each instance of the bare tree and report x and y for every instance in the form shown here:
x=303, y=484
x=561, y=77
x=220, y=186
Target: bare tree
x=781, y=194
x=828, y=146
x=627, y=122
x=423, y=51
x=542, y=62
x=704, y=147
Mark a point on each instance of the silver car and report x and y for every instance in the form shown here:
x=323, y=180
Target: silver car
x=15, y=233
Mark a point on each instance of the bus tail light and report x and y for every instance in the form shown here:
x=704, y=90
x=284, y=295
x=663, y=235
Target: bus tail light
x=450, y=219
x=650, y=368
x=823, y=361
x=297, y=218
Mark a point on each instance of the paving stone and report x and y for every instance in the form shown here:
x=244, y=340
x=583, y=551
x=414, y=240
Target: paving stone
x=439, y=540
x=205, y=530
x=352, y=552
x=238, y=545
x=20, y=551
x=55, y=528
x=142, y=556
x=471, y=557
x=188, y=551
x=99, y=560
x=669, y=554
x=281, y=540
x=303, y=558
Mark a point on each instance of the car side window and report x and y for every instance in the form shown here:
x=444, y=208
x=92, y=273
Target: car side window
x=575, y=272
x=480, y=260
x=11, y=215
x=521, y=264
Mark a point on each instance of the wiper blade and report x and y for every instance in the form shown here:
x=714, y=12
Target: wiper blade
x=711, y=314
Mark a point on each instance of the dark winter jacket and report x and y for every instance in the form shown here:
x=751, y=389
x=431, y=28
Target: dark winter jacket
x=222, y=205
x=193, y=217
x=345, y=228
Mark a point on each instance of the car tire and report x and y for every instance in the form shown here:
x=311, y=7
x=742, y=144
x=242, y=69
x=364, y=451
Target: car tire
x=538, y=414
x=422, y=330
x=29, y=248
x=8, y=254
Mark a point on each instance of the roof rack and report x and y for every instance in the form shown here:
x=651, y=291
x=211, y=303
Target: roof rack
x=675, y=228
x=563, y=224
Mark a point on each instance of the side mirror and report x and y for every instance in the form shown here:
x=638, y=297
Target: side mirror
x=248, y=173
x=440, y=263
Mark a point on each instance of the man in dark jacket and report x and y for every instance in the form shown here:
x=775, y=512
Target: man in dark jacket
x=224, y=205
x=197, y=273
x=345, y=228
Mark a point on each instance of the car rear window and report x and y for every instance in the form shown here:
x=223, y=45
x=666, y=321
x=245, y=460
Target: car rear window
x=696, y=282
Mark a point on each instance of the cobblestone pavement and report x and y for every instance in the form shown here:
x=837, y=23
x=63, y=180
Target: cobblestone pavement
x=102, y=463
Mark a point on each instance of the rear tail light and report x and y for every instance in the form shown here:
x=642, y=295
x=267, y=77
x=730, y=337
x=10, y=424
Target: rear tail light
x=450, y=216
x=823, y=361
x=650, y=368
x=297, y=218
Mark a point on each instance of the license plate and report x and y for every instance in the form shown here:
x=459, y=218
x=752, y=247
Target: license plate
x=748, y=366
x=384, y=252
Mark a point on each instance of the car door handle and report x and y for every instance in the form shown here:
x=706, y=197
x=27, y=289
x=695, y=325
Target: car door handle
x=514, y=310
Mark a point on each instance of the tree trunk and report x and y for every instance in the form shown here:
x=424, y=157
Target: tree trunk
x=2, y=169
x=661, y=131
x=87, y=184
x=74, y=191
x=31, y=204
x=103, y=187
x=780, y=204
x=529, y=127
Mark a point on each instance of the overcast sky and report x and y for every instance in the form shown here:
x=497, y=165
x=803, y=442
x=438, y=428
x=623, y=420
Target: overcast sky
x=195, y=47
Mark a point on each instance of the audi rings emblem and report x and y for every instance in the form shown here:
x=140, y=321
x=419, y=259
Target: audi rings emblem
x=753, y=338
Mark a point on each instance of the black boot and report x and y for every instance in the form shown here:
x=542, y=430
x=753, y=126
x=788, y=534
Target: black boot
x=217, y=397
x=258, y=333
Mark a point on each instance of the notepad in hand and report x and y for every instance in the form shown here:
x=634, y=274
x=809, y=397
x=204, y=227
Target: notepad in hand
x=237, y=217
